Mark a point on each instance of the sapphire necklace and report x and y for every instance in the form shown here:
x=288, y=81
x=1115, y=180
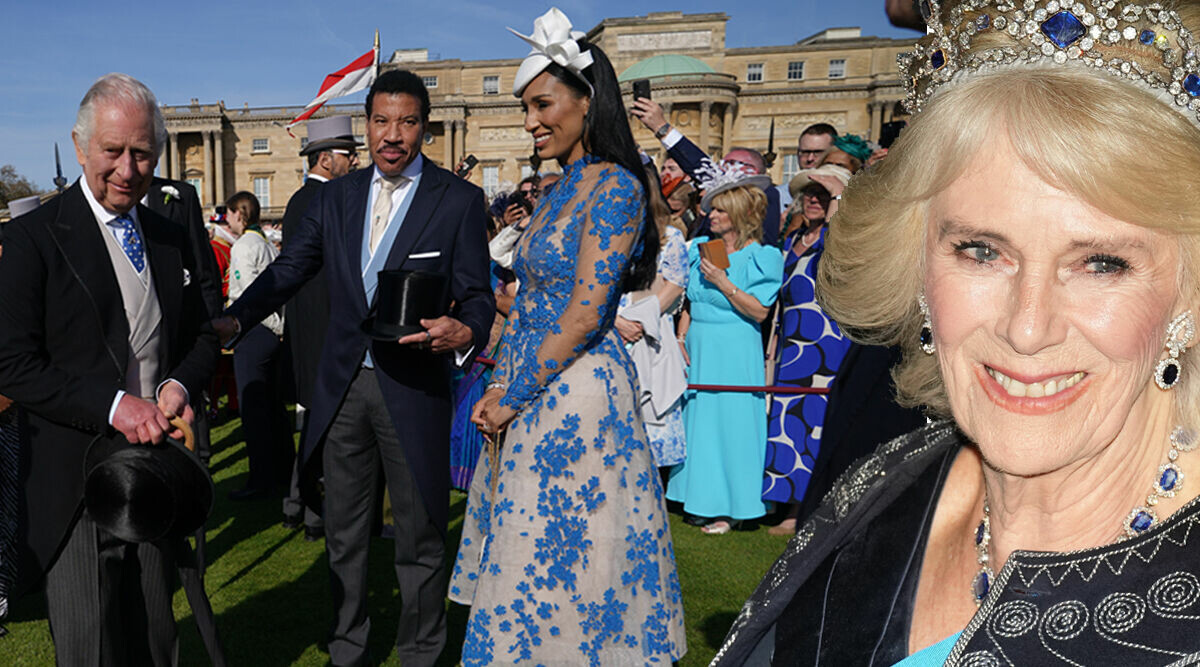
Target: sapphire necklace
x=1167, y=483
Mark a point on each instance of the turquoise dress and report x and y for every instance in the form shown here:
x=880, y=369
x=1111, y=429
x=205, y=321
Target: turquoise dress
x=726, y=431
x=569, y=560
x=931, y=656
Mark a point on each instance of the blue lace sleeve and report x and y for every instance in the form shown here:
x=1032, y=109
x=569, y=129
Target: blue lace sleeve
x=605, y=220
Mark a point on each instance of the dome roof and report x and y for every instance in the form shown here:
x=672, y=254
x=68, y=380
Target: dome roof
x=669, y=64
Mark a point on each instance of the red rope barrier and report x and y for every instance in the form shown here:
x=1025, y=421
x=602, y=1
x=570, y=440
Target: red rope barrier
x=774, y=389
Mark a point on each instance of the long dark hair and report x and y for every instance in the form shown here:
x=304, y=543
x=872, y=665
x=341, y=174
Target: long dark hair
x=607, y=136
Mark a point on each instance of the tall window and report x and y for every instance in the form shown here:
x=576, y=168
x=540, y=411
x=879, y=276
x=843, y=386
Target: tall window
x=260, y=145
x=262, y=190
x=796, y=70
x=430, y=81
x=491, y=85
x=791, y=167
x=526, y=171
x=754, y=72
x=491, y=180
x=837, y=68
x=195, y=183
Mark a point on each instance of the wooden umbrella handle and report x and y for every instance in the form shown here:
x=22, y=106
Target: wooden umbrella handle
x=189, y=438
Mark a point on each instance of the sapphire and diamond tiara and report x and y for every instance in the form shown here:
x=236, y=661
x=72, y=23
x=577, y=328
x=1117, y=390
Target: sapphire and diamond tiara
x=1144, y=44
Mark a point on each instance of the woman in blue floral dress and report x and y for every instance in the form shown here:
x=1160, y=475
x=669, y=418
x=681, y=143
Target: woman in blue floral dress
x=566, y=556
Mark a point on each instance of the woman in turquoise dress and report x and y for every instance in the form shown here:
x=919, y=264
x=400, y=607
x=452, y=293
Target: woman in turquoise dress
x=727, y=431
x=566, y=556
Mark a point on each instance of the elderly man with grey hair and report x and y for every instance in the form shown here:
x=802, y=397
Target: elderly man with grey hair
x=102, y=336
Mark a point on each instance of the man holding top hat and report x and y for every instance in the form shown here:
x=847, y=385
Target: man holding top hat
x=332, y=152
x=102, y=337
x=380, y=400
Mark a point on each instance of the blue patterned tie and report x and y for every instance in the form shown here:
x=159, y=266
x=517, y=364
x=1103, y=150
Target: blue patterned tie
x=131, y=243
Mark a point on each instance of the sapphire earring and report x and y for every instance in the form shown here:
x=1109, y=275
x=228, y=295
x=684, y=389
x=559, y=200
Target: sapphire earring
x=926, y=336
x=1180, y=333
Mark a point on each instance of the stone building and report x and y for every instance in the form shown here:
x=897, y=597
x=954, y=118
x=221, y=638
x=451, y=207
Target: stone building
x=717, y=96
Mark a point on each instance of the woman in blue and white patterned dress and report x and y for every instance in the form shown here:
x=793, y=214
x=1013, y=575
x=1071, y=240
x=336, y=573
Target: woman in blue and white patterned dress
x=566, y=555
x=811, y=348
x=665, y=430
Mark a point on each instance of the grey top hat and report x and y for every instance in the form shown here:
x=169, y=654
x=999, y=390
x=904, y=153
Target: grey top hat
x=19, y=207
x=328, y=133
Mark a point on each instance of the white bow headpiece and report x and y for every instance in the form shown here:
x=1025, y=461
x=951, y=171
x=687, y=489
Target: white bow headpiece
x=553, y=41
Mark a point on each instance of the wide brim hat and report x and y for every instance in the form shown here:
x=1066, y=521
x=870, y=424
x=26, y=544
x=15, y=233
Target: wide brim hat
x=142, y=493
x=760, y=181
x=329, y=133
x=404, y=299
x=802, y=179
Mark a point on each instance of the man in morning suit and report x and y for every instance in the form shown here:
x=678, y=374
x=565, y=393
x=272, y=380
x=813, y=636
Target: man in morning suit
x=332, y=152
x=178, y=202
x=103, y=333
x=385, y=402
x=696, y=163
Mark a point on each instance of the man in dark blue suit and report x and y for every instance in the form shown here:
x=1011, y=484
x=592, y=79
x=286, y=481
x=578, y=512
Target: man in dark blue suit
x=696, y=163
x=384, y=402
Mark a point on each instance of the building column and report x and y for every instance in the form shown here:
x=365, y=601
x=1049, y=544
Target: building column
x=876, y=120
x=448, y=140
x=206, y=186
x=727, y=138
x=705, y=113
x=173, y=161
x=219, y=181
x=460, y=139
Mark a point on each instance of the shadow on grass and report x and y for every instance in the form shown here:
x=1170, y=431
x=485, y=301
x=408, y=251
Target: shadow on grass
x=715, y=626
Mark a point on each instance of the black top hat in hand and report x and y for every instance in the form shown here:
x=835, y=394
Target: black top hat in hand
x=142, y=493
x=405, y=298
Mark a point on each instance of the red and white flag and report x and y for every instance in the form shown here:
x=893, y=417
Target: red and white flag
x=352, y=78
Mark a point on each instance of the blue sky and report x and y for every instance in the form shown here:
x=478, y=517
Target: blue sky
x=277, y=53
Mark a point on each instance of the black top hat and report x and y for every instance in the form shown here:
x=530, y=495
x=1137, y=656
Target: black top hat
x=142, y=493
x=404, y=298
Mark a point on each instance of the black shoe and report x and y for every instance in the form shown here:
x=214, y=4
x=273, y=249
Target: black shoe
x=249, y=494
x=293, y=521
x=313, y=533
x=693, y=520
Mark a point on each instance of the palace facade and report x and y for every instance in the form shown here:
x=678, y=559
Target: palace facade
x=719, y=97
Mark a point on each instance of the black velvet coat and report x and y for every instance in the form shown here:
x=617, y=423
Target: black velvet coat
x=843, y=591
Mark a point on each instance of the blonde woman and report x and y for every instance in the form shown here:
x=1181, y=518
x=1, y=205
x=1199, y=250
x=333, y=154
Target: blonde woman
x=726, y=432
x=1031, y=242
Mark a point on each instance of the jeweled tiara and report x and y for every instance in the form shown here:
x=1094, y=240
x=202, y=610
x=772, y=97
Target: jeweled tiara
x=1144, y=44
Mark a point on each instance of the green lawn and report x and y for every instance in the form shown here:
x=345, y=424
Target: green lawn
x=269, y=587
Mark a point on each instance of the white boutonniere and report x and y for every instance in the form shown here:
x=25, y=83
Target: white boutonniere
x=168, y=192
x=187, y=277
